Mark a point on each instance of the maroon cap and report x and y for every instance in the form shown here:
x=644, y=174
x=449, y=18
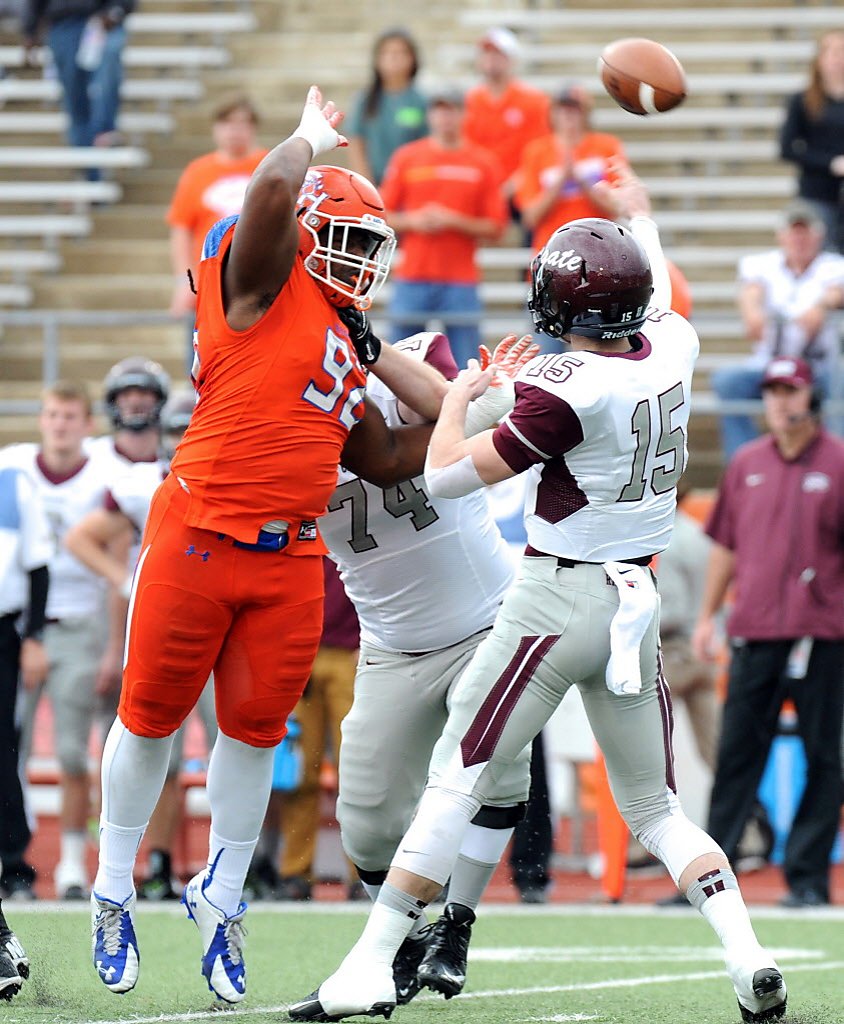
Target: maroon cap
x=796, y=373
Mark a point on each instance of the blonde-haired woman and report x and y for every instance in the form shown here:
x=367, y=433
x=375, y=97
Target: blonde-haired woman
x=812, y=136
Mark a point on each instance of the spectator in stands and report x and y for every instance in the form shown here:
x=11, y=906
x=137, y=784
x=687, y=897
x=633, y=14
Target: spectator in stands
x=503, y=114
x=442, y=196
x=25, y=551
x=785, y=297
x=776, y=525
x=558, y=173
x=70, y=484
x=210, y=188
x=391, y=110
x=86, y=39
x=322, y=707
x=812, y=136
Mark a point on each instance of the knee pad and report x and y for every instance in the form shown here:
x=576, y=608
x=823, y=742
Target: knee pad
x=675, y=840
x=369, y=847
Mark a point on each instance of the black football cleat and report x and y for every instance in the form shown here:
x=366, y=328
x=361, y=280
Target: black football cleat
x=406, y=964
x=310, y=1008
x=443, y=968
x=10, y=979
x=769, y=997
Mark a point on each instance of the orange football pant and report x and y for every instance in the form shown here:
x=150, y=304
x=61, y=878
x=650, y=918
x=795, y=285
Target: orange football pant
x=202, y=605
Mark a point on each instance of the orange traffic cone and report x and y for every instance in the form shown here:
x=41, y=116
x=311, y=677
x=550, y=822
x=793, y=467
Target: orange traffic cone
x=613, y=835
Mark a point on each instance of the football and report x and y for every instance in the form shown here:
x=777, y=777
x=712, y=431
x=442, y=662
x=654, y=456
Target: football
x=642, y=76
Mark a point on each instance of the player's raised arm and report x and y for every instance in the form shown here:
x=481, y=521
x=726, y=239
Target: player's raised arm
x=633, y=201
x=267, y=234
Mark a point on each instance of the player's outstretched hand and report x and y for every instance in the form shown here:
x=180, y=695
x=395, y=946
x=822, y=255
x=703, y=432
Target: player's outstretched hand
x=319, y=124
x=628, y=192
x=509, y=355
x=474, y=379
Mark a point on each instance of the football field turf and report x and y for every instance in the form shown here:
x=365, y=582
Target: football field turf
x=552, y=964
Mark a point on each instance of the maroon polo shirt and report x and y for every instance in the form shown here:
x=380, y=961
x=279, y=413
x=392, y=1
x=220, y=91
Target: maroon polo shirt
x=784, y=522
x=340, y=625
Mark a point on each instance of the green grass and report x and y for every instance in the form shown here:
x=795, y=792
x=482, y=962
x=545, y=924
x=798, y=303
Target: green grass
x=609, y=967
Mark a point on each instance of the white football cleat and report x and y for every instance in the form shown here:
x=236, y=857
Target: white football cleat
x=354, y=990
x=222, y=941
x=113, y=944
x=759, y=987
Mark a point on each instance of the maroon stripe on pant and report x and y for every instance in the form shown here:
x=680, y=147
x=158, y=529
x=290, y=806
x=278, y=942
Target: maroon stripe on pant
x=666, y=709
x=478, y=744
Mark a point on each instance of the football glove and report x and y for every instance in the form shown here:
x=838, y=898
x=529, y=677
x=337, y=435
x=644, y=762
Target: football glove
x=509, y=356
x=367, y=345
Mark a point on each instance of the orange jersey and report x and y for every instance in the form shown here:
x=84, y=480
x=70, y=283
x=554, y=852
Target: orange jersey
x=276, y=404
x=540, y=165
x=465, y=179
x=505, y=124
x=209, y=189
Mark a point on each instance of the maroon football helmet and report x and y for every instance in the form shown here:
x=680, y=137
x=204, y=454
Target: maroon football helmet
x=592, y=278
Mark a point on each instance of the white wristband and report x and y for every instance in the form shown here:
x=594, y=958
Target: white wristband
x=125, y=589
x=454, y=481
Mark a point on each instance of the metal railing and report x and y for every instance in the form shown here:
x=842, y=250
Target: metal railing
x=50, y=323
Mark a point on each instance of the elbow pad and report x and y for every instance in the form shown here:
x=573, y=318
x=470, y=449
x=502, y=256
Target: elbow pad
x=491, y=407
x=454, y=481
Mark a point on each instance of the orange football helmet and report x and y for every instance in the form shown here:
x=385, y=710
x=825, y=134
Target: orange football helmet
x=346, y=244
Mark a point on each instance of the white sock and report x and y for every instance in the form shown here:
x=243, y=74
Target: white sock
x=228, y=863
x=386, y=929
x=237, y=813
x=118, y=850
x=480, y=852
x=133, y=771
x=727, y=916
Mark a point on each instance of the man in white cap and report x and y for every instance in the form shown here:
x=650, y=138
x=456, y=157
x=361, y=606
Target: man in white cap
x=503, y=113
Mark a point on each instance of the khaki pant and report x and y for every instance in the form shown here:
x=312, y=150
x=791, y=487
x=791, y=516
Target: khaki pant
x=553, y=632
x=323, y=706
x=401, y=706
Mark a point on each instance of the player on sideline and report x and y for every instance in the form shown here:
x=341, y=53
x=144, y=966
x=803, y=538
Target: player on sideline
x=426, y=576
x=229, y=577
x=602, y=432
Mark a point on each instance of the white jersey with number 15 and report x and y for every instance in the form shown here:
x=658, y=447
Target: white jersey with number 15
x=605, y=438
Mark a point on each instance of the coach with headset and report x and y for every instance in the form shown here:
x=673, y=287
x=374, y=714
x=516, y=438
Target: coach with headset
x=778, y=527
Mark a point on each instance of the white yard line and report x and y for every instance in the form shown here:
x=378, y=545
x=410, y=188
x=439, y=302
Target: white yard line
x=760, y=912
x=656, y=979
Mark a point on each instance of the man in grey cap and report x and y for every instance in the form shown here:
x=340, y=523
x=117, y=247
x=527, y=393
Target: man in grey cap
x=785, y=298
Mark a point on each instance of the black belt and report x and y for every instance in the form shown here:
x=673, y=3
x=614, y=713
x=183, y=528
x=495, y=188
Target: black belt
x=570, y=563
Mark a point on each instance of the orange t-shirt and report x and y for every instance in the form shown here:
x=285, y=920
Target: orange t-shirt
x=209, y=189
x=505, y=124
x=465, y=179
x=276, y=404
x=541, y=161
x=681, y=293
